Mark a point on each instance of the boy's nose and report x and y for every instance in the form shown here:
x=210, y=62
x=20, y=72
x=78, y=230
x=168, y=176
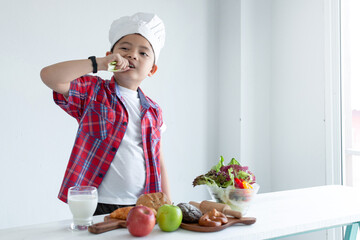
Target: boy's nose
x=131, y=55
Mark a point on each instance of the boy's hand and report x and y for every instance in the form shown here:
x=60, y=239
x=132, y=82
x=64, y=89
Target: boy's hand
x=122, y=64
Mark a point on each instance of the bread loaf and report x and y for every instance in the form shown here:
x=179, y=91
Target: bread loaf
x=153, y=200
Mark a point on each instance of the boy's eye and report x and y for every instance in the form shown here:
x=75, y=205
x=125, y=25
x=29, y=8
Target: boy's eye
x=124, y=48
x=144, y=54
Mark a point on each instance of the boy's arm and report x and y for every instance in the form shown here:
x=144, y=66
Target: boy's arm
x=58, y=76
x=164, y=178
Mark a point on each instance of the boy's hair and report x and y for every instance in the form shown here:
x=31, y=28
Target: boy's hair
x=147, y=25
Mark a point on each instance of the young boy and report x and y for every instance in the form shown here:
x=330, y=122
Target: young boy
x=117, y=147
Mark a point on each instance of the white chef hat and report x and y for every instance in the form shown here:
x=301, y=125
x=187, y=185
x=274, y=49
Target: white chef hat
x=149, y=25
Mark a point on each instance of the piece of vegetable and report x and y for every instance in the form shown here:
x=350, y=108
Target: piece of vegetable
x=248, y=185
x=238, y=183
x=111, y=67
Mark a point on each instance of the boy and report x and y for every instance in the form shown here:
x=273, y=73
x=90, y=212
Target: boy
x=117, y=147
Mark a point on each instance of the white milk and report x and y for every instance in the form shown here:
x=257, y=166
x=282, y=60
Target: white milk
x=82, y=207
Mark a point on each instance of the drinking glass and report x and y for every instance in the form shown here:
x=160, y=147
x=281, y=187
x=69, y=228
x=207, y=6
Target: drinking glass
x=82, y=201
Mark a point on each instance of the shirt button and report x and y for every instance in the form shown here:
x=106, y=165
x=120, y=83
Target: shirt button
x=124, y=123
x=101, y=175
x=113, y=149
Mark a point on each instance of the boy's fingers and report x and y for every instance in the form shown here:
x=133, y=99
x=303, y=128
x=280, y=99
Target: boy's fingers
x=123, y=64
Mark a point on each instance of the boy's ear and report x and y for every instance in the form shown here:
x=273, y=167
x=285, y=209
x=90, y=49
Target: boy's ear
x=153, y=70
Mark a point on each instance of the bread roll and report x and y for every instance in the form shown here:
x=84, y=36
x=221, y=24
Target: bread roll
x=121, y=213
x=213, y=218
x=153, y=200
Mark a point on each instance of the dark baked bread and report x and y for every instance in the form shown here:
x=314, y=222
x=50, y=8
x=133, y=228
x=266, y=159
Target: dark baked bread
x=153, y=200
x=191, y=214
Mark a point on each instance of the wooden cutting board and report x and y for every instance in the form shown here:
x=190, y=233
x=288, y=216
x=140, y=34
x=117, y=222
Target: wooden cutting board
x=111, y=224
x=198, y=228
x=108, y=225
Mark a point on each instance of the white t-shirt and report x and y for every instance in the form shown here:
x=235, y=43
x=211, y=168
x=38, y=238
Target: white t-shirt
x=125, y=180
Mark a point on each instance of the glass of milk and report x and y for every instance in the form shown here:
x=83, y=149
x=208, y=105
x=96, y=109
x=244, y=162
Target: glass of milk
x=82, y=201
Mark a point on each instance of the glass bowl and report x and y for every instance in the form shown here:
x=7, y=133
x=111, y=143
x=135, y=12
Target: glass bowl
x=238, y=199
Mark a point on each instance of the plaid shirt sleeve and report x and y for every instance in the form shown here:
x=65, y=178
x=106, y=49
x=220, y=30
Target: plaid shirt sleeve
x=80, y=92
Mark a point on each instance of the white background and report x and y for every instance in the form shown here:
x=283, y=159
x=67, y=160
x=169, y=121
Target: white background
x=243, y=79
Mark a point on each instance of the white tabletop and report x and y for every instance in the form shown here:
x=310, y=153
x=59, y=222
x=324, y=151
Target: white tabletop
x=278, y=214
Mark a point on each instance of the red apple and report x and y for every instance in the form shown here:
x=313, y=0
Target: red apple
x=140, y=221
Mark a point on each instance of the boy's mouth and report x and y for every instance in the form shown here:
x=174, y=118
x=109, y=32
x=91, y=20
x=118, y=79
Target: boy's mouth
x=131, y=65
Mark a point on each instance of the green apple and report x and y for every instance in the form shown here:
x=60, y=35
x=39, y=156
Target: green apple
x=169, y=217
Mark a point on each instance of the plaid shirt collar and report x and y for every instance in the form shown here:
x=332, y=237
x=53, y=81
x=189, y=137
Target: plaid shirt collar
x=113, y=87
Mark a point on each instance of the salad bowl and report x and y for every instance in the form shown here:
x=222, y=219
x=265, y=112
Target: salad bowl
x=238, y=199
x=231, y=184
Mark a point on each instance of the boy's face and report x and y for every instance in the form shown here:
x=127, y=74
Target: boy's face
x=138, y=51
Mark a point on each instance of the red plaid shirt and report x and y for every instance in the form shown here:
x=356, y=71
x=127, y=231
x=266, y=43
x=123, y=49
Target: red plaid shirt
x=102, y=119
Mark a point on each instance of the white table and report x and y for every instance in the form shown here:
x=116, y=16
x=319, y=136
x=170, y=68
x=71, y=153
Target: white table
x=278, y=214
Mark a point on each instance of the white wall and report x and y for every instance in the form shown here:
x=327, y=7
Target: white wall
x=37, y=136
x=256, y=38
x=284, y=91
x=283, y=85
x=228, y=90
x=297, y=94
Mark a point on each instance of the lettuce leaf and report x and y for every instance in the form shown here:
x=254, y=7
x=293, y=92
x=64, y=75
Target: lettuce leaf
x=231, y=175
x=233, y=162
x=218, y=166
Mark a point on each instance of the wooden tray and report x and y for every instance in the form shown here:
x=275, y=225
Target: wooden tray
x=108, y=225
x=111, y=224
x=197, y=228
